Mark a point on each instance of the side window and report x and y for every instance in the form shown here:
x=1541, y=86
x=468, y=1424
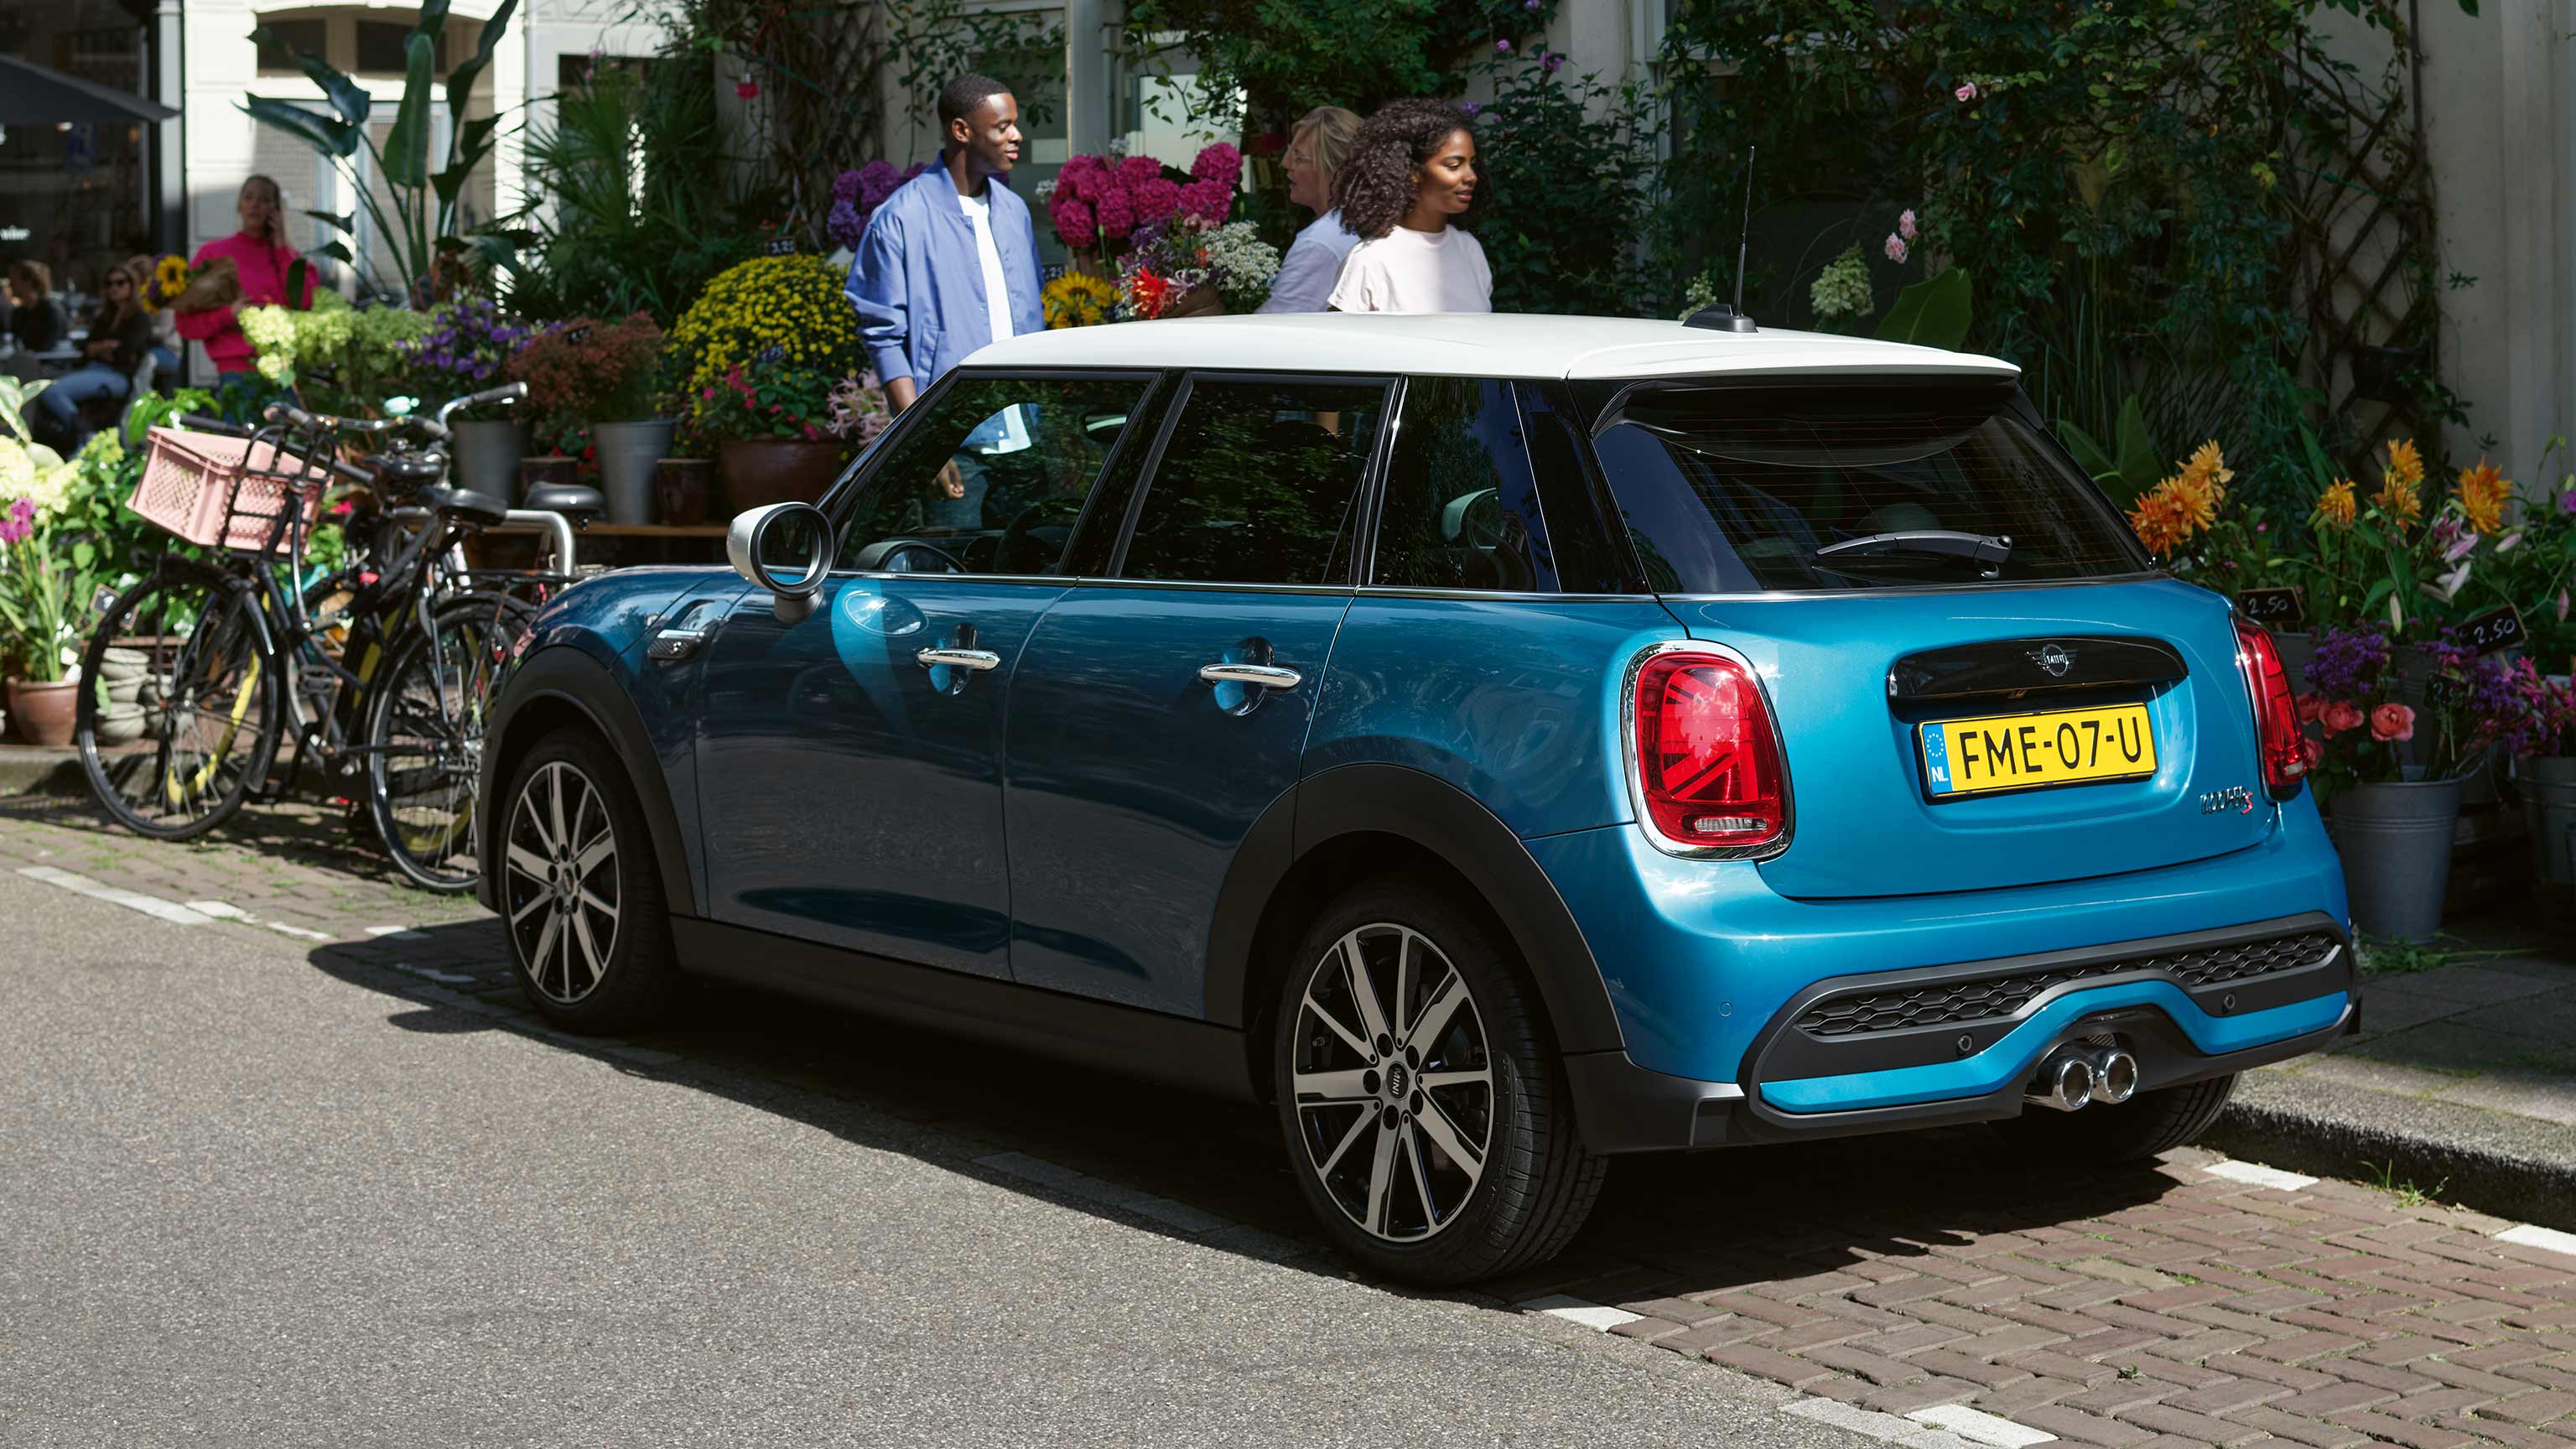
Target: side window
x=1578, y=543
x=1462, y=509
x=1256, y=483
x=991, y=480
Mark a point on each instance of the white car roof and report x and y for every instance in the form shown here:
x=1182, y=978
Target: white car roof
x=1472, y=345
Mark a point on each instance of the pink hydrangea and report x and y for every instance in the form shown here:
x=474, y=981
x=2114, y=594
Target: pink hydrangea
x=1208, y=200
x=1073, y=221
x=1115, y=214
x=1895, y=247
x=1905, y=223
x=1219, y=163
x=1966, y=92
x=1155, y=199
x=1135, y=171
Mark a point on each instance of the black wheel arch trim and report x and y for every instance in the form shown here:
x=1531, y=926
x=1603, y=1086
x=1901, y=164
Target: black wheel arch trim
x=567, y=673
x=1397, y=800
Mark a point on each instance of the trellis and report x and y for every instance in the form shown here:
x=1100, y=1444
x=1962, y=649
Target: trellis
x=819, y=111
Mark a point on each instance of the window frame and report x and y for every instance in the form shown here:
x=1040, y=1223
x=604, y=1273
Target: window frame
x=1511, y=387
x=1364, y=494
x=841, y=498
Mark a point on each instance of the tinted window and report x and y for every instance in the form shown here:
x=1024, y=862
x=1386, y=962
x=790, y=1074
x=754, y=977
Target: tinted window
x=991, y=479
x=1256, y=482
x=1570, y=493
x=1728, y=490
x=1461, y=509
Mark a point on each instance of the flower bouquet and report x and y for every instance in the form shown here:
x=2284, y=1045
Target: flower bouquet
x=2392, y=823
x=2352, y=703
x=168, y=280
x=1187, y=265
x=1096, y=203
x=1078, y=299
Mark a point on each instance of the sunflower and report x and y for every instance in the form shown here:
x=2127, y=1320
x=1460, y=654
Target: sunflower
x=2163, y=519
x=1077, y=299
x=2335, y=505
x=2483, y=492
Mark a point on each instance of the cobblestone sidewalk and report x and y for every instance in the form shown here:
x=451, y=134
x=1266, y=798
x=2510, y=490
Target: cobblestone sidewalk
x=2164, y=1306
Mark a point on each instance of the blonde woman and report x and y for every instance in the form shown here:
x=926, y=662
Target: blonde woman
x=1316, y=148
x=260, y=256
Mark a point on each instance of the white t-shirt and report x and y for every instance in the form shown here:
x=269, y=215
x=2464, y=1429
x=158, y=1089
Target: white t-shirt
x=1314, y=259
x=1416, y=271
x=1014, y=434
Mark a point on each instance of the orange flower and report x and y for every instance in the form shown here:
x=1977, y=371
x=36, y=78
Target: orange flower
x=2210, y=466
x=2483, y=491
x=2197, y=494
x=2405, y=463
x=2399, y=496
x=2335, y=505
x=2163, y=519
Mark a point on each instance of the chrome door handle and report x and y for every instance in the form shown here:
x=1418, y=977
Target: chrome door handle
x=976, y=659
x=1268, y=676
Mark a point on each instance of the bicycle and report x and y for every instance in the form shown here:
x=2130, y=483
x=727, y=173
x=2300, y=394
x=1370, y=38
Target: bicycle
x=380, y=667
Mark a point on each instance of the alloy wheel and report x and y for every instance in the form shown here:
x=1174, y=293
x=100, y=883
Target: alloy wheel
x=561, y=882
x=1393, y=1082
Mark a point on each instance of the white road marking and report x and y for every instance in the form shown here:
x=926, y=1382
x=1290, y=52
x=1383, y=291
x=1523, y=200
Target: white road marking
x=1575, y=1310
x=399, y=933
x=2526, y=1235
x=220, y=910
x=298, y=932
x=1981, y=1428
x=1161, y=1209
x=1877, y=1426
x=171, y=911
x=2259, y=1176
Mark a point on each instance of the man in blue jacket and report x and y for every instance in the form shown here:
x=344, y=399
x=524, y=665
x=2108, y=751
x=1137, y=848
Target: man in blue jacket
x=949, y=263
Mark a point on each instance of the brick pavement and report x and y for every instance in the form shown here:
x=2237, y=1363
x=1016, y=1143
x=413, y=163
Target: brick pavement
x=2158, y=1306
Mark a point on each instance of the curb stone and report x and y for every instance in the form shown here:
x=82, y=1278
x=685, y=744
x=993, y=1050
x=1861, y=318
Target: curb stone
x=2514, y=1167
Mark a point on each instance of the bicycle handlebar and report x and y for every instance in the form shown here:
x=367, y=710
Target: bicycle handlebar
x=200, y=423
x=508, y=392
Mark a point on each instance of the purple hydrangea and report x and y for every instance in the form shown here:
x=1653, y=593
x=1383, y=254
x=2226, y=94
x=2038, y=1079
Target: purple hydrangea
x=2348, y=662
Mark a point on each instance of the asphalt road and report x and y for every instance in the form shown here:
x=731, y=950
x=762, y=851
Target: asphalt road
x=250, y=1200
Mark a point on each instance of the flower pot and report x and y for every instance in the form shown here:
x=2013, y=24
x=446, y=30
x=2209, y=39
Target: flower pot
x=119, y=724
x=685, y=488
x=2395, y=841
x=43, y=713
x=2549, y=808
x=487, y=455
x=627, y=453
x=547, y=468
x=777, y=470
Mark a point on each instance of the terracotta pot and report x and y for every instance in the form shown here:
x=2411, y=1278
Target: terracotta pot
x=777, y=470
x=43, y=713
x=684, y=489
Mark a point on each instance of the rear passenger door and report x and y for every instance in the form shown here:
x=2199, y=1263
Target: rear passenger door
x=1161, y=704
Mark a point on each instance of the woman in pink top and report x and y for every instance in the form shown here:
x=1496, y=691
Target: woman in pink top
x=260, y=254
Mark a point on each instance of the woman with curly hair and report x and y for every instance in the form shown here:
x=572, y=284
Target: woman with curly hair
x=1411, y=173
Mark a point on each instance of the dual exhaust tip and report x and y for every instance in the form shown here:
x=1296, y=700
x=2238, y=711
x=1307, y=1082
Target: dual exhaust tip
x=2076, y=1077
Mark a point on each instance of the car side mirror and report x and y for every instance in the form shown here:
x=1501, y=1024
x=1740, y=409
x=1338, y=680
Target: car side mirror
x=785, y=548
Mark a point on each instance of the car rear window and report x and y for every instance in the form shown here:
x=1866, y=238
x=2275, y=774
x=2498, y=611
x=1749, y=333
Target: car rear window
x=1732, y=489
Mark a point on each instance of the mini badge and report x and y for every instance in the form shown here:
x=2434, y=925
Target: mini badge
x=2055, y=658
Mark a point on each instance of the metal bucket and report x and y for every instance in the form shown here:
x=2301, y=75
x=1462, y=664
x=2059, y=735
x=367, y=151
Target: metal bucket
x=2549, y=809
x=627, y=453
x=488, y=454
x=2395, y=841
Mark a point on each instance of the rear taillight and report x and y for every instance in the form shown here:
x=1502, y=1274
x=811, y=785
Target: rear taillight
x=1709, y=777
x=2276, y=715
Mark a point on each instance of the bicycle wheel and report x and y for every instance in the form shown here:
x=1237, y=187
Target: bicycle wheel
x=180, y=713
x=425, y=736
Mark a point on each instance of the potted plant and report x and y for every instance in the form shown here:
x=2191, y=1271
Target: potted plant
x=41, y=597
x=2391, y=820
x=771, y=424
x=2545, y=768
x=604, y=375
x=468, y=344
x=758, y=353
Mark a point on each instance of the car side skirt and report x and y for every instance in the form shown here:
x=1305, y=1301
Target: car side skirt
x=1196, y=1055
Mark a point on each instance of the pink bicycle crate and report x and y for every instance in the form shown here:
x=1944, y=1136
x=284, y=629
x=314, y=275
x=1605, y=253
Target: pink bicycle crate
x=188, y=488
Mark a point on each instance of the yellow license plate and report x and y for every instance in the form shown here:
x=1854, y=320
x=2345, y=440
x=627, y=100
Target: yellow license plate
x=2033, y=751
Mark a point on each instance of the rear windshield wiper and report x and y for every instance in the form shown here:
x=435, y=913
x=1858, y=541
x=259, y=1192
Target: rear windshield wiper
x=1985, y=548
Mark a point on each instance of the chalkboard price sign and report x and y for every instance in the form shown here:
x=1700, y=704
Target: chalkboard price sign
x=576, y=336
x=779, y=246
x=2273, y=607
x=2442, y=691
x=2493, y=630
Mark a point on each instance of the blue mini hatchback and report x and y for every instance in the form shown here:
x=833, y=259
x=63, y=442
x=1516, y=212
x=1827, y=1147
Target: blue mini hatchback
x=1495, y=742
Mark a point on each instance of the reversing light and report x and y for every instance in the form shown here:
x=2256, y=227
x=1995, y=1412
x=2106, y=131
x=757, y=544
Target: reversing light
x=1708, y=771
x=2276, y=714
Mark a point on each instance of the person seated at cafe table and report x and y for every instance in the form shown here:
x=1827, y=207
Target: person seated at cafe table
x=120, y=332
x=36, y=317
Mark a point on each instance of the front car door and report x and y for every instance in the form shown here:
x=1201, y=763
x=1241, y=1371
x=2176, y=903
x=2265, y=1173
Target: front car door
x=1161, y=706
x=849, y=764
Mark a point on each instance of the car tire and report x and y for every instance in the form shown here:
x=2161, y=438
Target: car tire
x=574, y=863
x=2102, y=1134
x=1430, y=1127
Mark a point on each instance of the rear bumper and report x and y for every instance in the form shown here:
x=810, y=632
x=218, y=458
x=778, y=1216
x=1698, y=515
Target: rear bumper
x=1798, y=1084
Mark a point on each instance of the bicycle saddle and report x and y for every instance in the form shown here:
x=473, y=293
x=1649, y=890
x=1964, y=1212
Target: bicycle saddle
x=464, y=503
x=410, y=472
x=568, y=499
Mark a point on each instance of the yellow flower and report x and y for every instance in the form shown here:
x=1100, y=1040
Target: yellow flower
x=1077, y=300
x=2163, y=519
x=2405, y=464
x=2483, y=491
x=2210, y=466
x=2335, y=505
x=2397, y=496
x=2196, y=496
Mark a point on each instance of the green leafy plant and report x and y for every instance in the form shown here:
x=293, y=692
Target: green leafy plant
x=1261, y=65
x=2129, y=466
x=424, y=216
x=1935, y=312
x=1564, y=169
x=759, y=400
x=2383, y=1175
x=589, y=371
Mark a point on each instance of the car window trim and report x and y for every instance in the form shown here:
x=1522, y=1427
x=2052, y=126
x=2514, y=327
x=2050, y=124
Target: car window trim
x=1538, y=500
x=843, y=494
x=1117, y=564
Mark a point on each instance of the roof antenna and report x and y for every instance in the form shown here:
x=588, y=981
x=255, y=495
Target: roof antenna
x=1718, y=316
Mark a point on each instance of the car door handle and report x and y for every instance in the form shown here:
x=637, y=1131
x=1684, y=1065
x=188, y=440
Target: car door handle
x=1268, y=676
x=673, y=644
x=976, y=659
